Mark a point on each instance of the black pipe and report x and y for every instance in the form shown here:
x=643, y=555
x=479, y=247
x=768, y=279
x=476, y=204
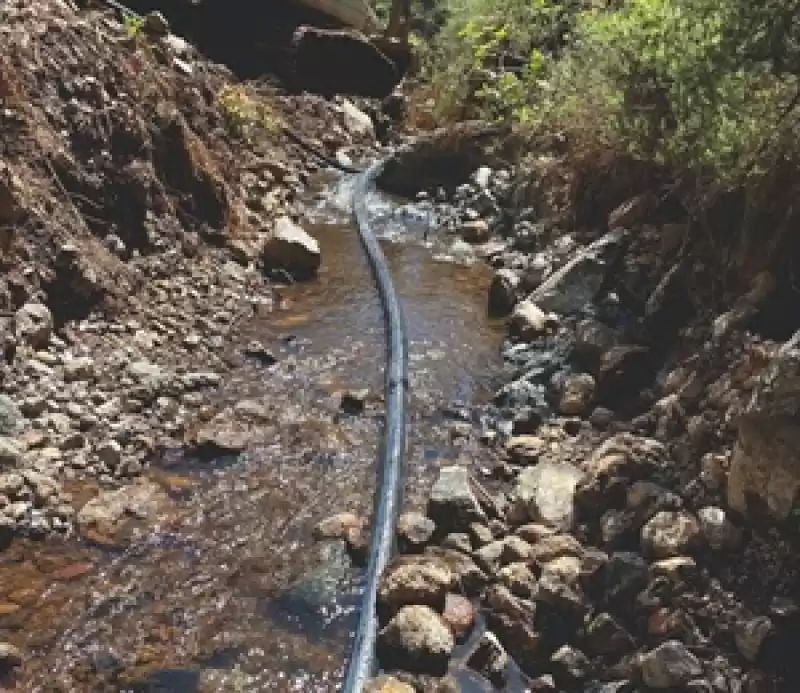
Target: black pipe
x=361, y=664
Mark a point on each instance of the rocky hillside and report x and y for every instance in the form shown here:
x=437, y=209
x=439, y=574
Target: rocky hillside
x=140, y=187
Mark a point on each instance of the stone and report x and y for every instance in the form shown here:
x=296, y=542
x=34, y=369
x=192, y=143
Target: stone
x=669, y=665
x=719, y=533
x=468, y=576
x=10, y=656
x=155, y=24
x=458, y=541
x=519, y=578
x=544, y=493
x=452, y=505
x=592, y=340
x=418, y=640
x=528, y=321
x=570, y=666
x=387, y=684
x=750, y=635
x=548, y=548
x=337, y=526
x=490, y=659
x=765, y=467
x=290, y=249
x=109, y=453
x=525, y=449
x=613, y=467
x=671, y=534
x=414, y=532
x=76, y=369
x=106, y=512
x=474, y=231
x=504, y=293
x=418, y=581
x=10, y=453
x=572, y=289
x=676, y=569
x=605, y=636
x=459, y=613
x=630, y=213
x=10, y=416
x=34, y=325
x=356, y=121
x=577, y=394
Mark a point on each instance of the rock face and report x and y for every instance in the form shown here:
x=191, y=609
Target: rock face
x=291, y=250
x=416, y=639
x=765, y=470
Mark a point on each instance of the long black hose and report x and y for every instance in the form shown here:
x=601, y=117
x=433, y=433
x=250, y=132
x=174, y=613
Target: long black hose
x=361, y=664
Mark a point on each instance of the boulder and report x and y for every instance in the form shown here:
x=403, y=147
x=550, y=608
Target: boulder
x=452, y=505
x=572, y=289
x=670, y=534
x=418, y=640
x=414, y=581
x=544, y=493
x=290, y=249
x=765, y=468
x=669, y=665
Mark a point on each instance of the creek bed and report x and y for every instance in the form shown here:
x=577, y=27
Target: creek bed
x=225, y=590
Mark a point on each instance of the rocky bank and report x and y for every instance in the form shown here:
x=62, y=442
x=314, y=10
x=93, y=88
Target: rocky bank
x=638, y=532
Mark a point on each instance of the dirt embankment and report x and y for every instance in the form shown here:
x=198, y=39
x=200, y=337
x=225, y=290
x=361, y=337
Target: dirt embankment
x=139, y=184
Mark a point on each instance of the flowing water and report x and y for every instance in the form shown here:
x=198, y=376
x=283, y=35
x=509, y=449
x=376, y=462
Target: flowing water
x=226, y=591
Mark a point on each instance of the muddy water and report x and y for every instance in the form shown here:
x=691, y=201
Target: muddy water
x=225, y=591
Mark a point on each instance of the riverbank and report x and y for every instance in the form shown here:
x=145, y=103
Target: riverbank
x=635, y=536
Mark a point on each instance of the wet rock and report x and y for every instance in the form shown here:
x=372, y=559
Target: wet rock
x=414, y=532
x=765, y=468
x=577, y=394
x=669, y=665
x=719, y=533
x=416, y=639
x=387, y=684
x=290, y=249
x=528, y=321
x=545, y=494
x=337, y=526
x=34, y=325
x=10, y=416
x=623, y=576
x=671, y=534
x=504, y=292
x=418, y=581
x=452, y=505
x=750, y=635
x=459, y=613
x=490, y=659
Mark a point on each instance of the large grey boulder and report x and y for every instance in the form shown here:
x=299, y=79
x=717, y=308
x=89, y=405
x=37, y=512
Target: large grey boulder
x=765, y=469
